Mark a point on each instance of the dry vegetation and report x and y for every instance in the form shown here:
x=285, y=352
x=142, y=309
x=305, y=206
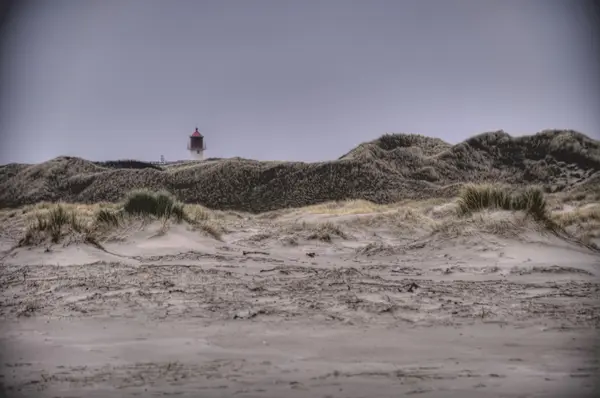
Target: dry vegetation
x=384, y=171
x=485, y=208
x=50, y=223
x=478, y=208
x=324, y=232
x=403, y=181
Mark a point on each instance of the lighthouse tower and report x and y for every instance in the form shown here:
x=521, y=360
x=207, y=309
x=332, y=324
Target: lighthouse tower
x=196, y=146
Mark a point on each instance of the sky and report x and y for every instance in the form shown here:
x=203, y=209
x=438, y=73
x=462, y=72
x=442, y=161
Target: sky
x=302, y=80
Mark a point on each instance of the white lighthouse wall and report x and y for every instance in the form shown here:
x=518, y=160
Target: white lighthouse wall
x=196, y=155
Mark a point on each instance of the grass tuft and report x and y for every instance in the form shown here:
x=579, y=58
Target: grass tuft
x=211, y=229
x=53, y=224
x=324, y=231
x=532, y=201
x=475, y=198
x=109, y=217
x=161, y=204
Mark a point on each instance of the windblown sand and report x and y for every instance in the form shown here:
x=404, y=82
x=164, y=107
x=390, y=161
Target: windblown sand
x=382, y=306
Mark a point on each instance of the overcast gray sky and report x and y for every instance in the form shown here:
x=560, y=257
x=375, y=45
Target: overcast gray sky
x=287, y=79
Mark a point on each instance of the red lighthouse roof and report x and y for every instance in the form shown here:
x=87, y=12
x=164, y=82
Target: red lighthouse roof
x=196, y=133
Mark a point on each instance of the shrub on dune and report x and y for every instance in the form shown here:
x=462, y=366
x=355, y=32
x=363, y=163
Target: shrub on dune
x=474, y=198
x=158, y=204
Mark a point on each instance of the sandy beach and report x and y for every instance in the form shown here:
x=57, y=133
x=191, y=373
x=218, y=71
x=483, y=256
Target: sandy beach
x=271, y=310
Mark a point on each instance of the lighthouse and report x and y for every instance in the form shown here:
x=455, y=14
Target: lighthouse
x=196, y=146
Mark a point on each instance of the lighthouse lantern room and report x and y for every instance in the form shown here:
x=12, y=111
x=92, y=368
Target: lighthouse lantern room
x=196, y=145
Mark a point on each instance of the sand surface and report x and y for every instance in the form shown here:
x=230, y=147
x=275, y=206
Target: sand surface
x=269, y=313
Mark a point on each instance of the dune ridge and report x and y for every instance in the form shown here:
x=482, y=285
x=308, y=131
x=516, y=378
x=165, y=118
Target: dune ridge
x=388, y=169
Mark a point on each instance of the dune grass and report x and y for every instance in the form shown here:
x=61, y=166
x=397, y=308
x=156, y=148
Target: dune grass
x=408, y=218
x=110, y=218
x=54, y=222
x=460, y=217
x=393, y=167
x=326, y=231
x=582, y=221
x=144, y=204
x=198, y=213
x=162, y=205
x=345, y=207
x=212, y=229
x=532, y=202
x=579, y=215
x=322, y=231
x=474, y=198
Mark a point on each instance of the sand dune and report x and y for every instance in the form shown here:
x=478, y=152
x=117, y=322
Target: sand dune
x=271, y=309
x=391, y=168
x=406, y=293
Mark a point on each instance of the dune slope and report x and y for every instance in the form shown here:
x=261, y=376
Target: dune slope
x=390, y=168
